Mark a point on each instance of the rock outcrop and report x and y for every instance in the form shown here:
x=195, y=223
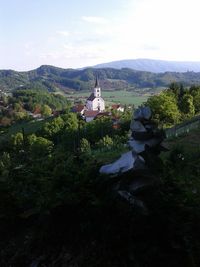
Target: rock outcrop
x=134, y=168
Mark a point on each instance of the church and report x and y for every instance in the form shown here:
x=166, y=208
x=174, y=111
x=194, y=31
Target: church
x=95, y=102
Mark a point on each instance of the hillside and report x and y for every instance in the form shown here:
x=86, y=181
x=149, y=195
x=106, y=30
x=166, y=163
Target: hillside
x=52, y=79
x=152, y=65
x=57, y=210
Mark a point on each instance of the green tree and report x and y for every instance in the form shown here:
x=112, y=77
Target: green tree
x=105, y=142
x=175, y=89
x=195, y=92
x=71, y=121
x=164, y=108
x=187, y=106
x=20, y=115
x=18, y=107
x=52, y=128
x=31, y=139
x=5, y=163
x=46, y=111
x=17, y=140
x=40, y=147
x=85, y=146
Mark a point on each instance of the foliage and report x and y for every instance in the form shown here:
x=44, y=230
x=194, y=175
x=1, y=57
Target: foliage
x=51, y=79
x=40, y=147
x=55, y=207
x=17, y=140
x=51, y=128
x=195, y=92
x=187, y=106
x=33, y=98
x=175, y=104
x=164, y=108
x=105, y=142
x=85, y=146
x=46, y=111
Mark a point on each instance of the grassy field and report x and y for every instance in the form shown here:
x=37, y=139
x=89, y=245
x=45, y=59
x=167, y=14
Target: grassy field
x=188, y=145
x=189, y=142
x=29, y=127
x=122, y=97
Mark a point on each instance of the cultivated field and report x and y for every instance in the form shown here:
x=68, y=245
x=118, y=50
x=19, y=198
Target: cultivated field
x=122, y=97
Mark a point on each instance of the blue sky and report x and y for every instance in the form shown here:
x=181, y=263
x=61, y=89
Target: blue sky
x=77, y=33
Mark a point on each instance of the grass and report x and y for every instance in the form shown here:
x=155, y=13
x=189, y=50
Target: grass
x=189, y=142
x=121, y=96
x=107, y=156
x=29, y=127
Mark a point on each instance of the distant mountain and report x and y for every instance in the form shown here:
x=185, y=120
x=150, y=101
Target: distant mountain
x=52, y=79
x=152, y=65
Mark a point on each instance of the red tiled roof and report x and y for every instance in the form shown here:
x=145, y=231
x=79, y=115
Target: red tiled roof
x=78, y=108
x=115, y=106
x=91, y=113
x=103, y=114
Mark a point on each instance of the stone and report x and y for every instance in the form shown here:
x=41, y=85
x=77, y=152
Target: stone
x=137, y=126
x=123, y=164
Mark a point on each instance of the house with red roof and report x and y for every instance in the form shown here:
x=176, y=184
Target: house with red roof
x=89, y=115
x=117, y=107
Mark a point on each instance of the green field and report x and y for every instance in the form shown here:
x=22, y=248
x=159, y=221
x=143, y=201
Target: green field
x=122, y=97
x=28, y=126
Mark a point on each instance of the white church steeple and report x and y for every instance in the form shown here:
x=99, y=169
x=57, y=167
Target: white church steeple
x=95, y=101
x=97, y=89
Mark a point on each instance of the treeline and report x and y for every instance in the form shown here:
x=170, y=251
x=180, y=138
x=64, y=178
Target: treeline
x=51, y=78
x=175, y=104
x=31, y=98
x=23, y=102
x=36, y=168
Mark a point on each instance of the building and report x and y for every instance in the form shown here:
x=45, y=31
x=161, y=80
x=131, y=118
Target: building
x=90, y=115
x=79, y=109
x=95, y=102
x=117, y=107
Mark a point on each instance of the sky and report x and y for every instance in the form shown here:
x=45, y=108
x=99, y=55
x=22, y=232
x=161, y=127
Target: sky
x=79, y=33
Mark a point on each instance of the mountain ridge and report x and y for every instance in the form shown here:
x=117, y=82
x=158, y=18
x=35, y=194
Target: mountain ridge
x=152, y=65
x=52, y=78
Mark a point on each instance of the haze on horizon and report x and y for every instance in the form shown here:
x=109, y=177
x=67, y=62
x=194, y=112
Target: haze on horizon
x=80, y=33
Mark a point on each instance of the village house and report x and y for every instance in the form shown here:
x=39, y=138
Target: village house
x=79, y=109
x=90, y=115
x=117, y=107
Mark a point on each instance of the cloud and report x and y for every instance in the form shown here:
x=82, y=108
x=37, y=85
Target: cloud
x=63, y=33
x=96, y=20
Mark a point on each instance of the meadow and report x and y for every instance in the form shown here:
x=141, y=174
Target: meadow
x=28, y=126
x=123, y=97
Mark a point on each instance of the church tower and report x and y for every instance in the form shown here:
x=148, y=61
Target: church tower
x=95, y=101
x=97, y=89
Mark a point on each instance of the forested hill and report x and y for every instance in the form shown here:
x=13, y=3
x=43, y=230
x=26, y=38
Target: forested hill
x=52, y=78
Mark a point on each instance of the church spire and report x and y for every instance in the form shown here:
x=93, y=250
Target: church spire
x=97, y=82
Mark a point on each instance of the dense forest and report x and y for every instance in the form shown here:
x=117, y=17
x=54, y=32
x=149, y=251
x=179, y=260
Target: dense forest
x=52, y=79
x=56, y=209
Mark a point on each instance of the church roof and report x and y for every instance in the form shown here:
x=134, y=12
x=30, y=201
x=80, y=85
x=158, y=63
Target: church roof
x=91, y=97
x=96, y=82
